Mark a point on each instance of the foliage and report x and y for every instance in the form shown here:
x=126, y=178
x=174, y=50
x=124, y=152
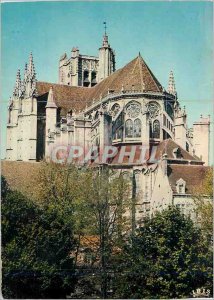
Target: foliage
x=91, y=201
x=204, y=204
x=167, y=258
x=36, y=246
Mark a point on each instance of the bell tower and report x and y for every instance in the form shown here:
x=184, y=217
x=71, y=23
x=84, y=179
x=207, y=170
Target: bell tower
x=106, y=58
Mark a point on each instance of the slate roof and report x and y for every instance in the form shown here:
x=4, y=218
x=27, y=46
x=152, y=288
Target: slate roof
x=193, y=175
x=136, y=76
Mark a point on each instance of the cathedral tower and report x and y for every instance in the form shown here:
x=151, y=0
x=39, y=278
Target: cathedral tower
x=106, y=59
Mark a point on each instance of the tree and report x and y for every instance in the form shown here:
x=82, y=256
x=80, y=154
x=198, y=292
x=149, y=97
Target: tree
x=106, y=203
x=97, y=199
x=36, y=246
x=204, y=204
x=167, y=258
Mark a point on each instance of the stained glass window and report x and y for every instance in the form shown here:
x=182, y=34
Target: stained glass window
x=137, y=128
x=156, y=129
x=129, y=128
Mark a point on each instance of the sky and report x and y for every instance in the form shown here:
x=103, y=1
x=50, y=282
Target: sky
x=169, y=35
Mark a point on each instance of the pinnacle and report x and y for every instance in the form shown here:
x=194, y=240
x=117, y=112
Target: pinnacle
x=51, y=103
x=171, y=85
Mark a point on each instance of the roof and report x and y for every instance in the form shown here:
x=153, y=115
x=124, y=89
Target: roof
x=192, y=175
x=65, y=96
x=21, y=176
x=168, y=146
x=136, y=76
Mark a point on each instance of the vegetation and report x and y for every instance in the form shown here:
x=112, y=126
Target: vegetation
x=167, y=258
x=44, y=255
x=204, y=205
x=36, y=243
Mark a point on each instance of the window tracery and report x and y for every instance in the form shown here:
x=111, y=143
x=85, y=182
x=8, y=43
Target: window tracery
x=153, y=109
x=133, y=109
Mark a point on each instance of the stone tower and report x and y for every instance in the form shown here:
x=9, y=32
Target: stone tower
x=201, y=137
x=22, y=120
x=106, y=59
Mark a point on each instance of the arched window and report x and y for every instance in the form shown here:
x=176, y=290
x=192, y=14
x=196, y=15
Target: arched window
x=129, y=128
x=86, y=81
x=156, y=129
x=137, y=128
x=93, y=78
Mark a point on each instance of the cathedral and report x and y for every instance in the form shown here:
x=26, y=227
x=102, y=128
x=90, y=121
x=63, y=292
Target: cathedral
x=95, y=105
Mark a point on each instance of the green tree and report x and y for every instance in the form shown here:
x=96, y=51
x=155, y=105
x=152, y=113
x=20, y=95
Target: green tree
x=96, y=200
x=167, y=258
x=36, y=246
x=107, y=201
x=204, y=204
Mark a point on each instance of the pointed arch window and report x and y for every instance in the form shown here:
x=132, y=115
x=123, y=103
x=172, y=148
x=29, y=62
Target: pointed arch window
x=93, y=78
x=156, y=129
x=137, y=128
x=86, y=81
x=129, y=128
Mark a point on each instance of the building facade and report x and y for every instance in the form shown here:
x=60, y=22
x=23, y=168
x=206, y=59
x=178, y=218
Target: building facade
x=95, y=106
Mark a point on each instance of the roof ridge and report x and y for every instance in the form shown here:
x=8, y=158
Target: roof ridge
x=157, y=83
x=141, y=73
x=132, y=69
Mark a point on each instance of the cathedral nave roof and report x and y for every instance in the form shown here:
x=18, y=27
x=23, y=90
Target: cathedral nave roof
x=135, y=76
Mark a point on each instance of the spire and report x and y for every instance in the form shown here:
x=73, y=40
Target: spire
x=29, y=82
x=105, y=37
x=25, y=72
x=31, y=68
x=51, y=103
x=17, y=89
x=171, y=86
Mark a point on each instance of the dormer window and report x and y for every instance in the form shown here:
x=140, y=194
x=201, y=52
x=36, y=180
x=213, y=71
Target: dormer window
x=177, y=153
x=181, y=186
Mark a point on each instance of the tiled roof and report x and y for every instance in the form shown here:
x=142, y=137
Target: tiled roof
x=65, y=96
x=192, y=175
x=167, y=146
x=136, y=76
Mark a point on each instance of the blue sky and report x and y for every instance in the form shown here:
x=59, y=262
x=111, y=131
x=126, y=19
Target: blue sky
x=169, y=35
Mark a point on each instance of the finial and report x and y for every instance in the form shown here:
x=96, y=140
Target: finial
x=171, y=85
x=139, y=54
